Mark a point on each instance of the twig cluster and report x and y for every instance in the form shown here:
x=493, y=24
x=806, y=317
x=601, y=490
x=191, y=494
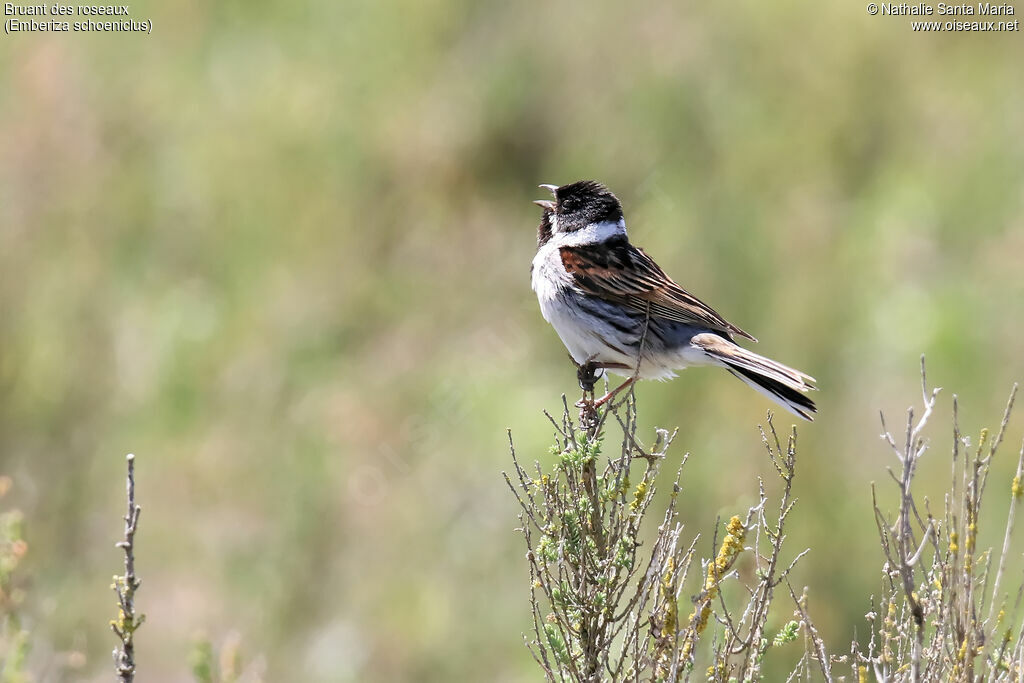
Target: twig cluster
x=602, y=610
x=943, y=614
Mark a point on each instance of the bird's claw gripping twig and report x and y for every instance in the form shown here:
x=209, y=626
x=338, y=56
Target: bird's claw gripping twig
x=586, y=373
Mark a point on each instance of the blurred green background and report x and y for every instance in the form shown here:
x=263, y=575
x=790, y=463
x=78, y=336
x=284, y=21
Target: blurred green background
x=281, y=252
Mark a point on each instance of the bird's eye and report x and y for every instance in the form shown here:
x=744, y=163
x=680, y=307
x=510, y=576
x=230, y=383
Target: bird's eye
x=569, y=204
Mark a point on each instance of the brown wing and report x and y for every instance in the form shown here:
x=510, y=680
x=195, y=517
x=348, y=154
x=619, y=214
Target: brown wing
x=617, y=271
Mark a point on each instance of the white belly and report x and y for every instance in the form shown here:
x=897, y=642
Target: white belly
x=590, y=339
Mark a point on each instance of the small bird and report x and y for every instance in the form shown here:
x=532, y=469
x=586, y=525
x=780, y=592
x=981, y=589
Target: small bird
x=615, y=309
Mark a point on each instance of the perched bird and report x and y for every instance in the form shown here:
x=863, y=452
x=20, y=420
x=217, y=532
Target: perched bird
x=616, y=310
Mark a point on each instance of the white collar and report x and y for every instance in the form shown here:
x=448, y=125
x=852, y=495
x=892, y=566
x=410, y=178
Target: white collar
x=595, y=233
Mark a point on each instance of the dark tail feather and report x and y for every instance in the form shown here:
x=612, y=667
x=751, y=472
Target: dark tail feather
x=788, y=397
x=780, y=383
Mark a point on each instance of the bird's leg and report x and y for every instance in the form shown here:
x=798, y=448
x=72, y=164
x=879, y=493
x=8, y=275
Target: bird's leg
x=611, y=394
x=586, y=373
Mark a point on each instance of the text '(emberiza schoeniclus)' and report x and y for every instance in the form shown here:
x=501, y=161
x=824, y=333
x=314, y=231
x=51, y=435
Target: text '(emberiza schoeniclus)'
x=616, y=310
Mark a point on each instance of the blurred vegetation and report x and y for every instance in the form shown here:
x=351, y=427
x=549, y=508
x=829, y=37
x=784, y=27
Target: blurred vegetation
x=281, y=252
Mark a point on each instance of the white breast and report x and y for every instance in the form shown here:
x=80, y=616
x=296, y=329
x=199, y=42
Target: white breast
x=549, y=281
x=548, y=272
x=548, y=275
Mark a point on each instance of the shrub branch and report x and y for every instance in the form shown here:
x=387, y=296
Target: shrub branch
x=127, y=621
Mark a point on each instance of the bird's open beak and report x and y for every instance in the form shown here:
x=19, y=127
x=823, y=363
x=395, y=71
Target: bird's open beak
x=550, y=188
x=545, y=204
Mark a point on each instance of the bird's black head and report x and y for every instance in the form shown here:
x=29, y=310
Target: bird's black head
x=582, y=203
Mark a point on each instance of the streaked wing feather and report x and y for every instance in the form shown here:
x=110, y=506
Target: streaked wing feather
x=618, y=271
